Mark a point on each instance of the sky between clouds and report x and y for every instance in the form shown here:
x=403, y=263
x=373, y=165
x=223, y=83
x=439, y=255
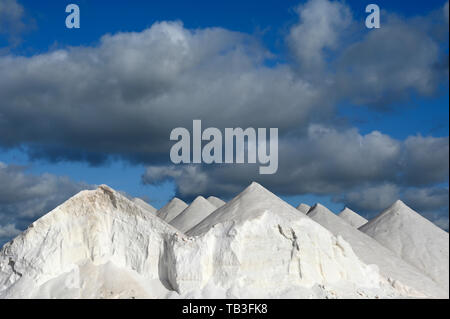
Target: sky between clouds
x=119, y=98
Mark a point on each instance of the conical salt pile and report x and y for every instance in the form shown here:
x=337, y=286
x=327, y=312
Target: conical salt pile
x=413, y=238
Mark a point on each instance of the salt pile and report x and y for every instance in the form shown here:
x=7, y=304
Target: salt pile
x=403, y=275
x=216, y=201
x=352, y=218
x=144, y=205
x=414, y=239
x=100, y=244
x=199, y=209
x=171, y=210
x=263, y=243
x=303, y=208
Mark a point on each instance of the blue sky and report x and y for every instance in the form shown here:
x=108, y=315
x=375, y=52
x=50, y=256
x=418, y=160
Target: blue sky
x=269, y=22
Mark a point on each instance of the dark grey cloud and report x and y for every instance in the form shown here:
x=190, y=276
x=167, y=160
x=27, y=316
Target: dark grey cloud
x=388, y=63
x=123, y=96
x=375, y=68
x=24, y=197
x=325, y=161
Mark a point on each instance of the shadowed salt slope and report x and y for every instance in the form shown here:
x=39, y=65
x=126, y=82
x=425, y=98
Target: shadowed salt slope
x=171, y=210
x=352, y=218
x=303, y=208
x=413, y=238
x=403, y=275
x=98, y=244
x=144, y=205
x=199, y=209
x=216, y=201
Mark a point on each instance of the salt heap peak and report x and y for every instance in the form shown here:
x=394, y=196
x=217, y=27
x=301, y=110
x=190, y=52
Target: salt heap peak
x=402, y=275
x=260, y=246
x=413, y=238
x=144, y=205
x=216, y=201
x=97, y=244
x=171, y=210
x=303, y=208
x=199, y=209
x=250, y=203
x=352, y=218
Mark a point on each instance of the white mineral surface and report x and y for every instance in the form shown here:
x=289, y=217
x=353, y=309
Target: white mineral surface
x=99, y=244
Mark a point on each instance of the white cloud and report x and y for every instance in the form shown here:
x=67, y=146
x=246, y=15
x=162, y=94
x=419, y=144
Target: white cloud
x=321, y=26
x=12, y=20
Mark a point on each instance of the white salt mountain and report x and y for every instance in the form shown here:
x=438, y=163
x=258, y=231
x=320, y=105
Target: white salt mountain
x=400, y=273
x=216, y=201
x=171, y=210
x=272, y=251
x=99, y=244
x=144, y=205
x=352, y=218
x=413, y=238
x=303, y=208
x=199, y=209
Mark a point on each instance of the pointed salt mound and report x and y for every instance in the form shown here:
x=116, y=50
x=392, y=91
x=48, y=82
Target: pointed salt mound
x=199, y=209
x=98, y=244
x=352, y=218
x=144, y=205
x=216, y=201
x=259, y=246
x=171, y=210
x=400, y=273
x=303, y=208
x=252, y=202
x=413, y=238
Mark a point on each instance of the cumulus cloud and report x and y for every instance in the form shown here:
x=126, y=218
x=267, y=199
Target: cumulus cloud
x=387, y=64
x=123, y=96
x=325, y=161
x=12, y=20
x=24, y=197
x=321, y=26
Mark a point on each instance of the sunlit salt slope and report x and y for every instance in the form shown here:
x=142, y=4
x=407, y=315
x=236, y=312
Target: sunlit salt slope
x=402, y=274
x=99, y=244
x=413, y=238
